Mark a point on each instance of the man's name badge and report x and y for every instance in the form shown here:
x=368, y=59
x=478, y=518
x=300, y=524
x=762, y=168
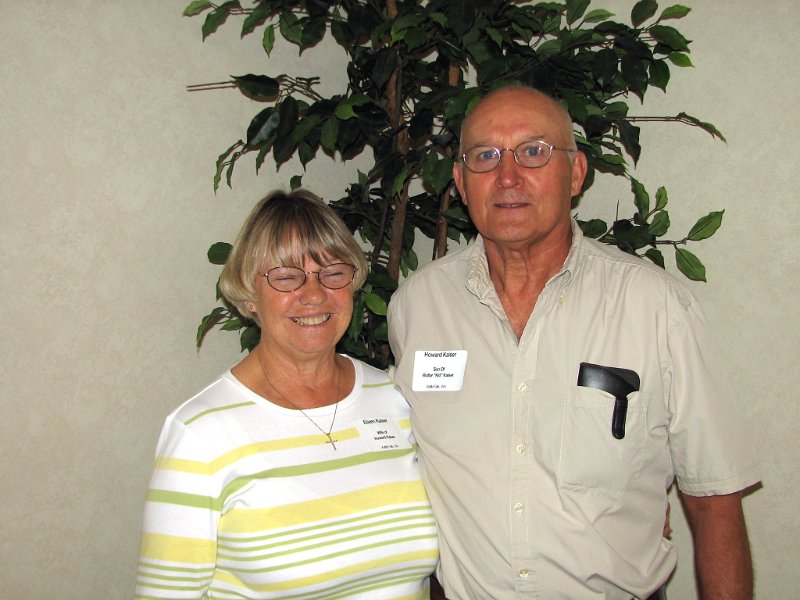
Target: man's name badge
x=438, y=370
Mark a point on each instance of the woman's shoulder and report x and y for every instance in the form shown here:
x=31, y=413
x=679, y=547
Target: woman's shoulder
x=223, y=392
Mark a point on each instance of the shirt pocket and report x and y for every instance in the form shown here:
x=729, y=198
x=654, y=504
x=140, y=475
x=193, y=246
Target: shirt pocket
x=592, y=458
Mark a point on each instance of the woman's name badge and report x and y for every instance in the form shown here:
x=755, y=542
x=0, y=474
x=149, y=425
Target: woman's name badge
x=382, y=433
x=438, y=370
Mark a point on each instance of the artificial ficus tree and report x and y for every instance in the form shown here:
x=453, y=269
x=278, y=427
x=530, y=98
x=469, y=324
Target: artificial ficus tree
x=414, y=68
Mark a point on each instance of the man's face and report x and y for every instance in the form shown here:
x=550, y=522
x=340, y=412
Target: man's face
x=513, y=206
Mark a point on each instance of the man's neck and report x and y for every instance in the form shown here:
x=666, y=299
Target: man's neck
x=520, y=272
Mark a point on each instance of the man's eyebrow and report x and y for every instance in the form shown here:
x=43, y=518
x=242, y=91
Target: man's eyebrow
x=530, y=138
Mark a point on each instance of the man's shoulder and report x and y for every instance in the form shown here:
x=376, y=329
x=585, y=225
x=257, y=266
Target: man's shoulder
x=451, y=267
x=610, y=262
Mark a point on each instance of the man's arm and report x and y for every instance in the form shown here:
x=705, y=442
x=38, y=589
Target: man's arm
x=722, y=551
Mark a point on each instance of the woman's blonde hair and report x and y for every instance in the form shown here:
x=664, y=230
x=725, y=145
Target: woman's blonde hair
x=285, y=229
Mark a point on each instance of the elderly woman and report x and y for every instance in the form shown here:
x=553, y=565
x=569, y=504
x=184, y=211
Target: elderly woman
x=294, y=474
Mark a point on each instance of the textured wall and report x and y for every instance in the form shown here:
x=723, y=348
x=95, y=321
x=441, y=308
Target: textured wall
x=107, y=211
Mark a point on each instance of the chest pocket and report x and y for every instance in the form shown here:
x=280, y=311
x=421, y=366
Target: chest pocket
x=591, y=457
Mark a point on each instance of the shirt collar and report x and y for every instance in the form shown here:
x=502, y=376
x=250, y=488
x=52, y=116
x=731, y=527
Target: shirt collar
x=480, y=284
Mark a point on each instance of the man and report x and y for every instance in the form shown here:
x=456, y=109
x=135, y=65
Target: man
x=544, y=488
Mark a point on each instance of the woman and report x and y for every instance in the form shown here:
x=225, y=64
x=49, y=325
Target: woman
x=293, y=475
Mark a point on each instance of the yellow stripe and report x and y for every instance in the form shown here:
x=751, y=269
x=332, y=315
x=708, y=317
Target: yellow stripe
x=299, y=513
x=209, y=468
x=175, y=548
x=328, y=576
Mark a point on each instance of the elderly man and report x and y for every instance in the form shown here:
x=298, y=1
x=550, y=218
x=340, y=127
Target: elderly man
x=558, y=386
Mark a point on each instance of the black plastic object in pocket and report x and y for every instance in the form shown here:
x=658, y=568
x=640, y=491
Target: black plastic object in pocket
x=615, y=381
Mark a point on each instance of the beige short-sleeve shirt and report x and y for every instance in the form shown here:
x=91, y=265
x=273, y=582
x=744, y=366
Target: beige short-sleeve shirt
x=533, y=496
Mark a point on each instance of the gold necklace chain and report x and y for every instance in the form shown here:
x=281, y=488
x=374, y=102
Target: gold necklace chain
x=327, y=434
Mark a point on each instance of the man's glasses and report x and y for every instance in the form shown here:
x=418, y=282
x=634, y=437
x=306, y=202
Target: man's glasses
x=531, y=155
x=289, y=279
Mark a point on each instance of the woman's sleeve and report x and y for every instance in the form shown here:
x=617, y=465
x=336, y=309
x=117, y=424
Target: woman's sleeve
x=181, y=515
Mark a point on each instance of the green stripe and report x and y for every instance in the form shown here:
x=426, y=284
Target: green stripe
x=217, y=409
x=320, y=544
x=365, y=583
x=183, y=499
x=216, y=504
x=377, y=385
x=144, y=564
x=311, y=468
x=244, y=543
x=316, y=529
x=330, y=556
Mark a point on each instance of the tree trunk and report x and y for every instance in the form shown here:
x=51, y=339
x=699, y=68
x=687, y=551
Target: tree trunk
x=400, y=201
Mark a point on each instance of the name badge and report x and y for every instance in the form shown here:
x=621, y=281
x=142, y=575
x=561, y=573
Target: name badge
x=438, y=370
x=381, y=433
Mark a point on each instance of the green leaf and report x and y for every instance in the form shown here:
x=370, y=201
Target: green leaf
x=690, y=265
x=660, y=224
x=295, y=182
x=268, y=39
x=659, y=74
x=291, y=28
x=641, y=197
x=669, y=36
x=250, y=337
x=593, y=228
x=330, y=131
x=576, y=9
x=208, y=322
x=706, y=226
x=661, y=198
x=677, y=11
x=344, y=111
x=262, y=126
x=233, y=324
x=255, y=18
x=218, y=253
x=655, y=256
x=707, y=127
x=604, y=67
x=375, y=304
x=630, y=139
x=357, y=321
x=679, y=59
x=313, y=32
x=597, y=16
x=257, y=87
x=643, y=10
x=196, y=7
x=385, y=64
x=437, y=172
x=217, y=18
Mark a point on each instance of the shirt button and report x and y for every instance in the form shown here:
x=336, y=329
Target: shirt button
x=518, y=508
x=523, y=572
x=522, y=387
x=522, y=448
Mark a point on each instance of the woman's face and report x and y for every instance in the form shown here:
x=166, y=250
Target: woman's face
x=306, y=323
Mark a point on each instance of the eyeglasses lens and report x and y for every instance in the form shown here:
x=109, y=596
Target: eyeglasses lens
x=482, y=159
x=289, y=279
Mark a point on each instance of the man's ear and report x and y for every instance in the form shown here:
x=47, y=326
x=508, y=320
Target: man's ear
x=458, y=178
x=579, y=168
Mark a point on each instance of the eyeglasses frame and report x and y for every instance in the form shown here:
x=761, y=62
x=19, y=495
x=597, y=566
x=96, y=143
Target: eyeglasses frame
x=266, y=273
x=513, y=151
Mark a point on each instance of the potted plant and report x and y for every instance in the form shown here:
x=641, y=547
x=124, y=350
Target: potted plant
x=414, y=70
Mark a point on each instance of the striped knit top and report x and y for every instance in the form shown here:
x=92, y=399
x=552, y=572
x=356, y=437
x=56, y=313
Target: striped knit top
x=250, y=500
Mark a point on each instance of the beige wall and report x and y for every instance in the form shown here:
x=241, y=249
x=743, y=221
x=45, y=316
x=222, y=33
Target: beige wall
x=107, y=211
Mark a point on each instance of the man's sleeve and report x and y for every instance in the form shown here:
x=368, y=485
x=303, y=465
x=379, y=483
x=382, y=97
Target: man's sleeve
x=710, y=448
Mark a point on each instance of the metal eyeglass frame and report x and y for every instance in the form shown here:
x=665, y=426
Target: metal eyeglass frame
x=499, y=152
x=307, y=273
